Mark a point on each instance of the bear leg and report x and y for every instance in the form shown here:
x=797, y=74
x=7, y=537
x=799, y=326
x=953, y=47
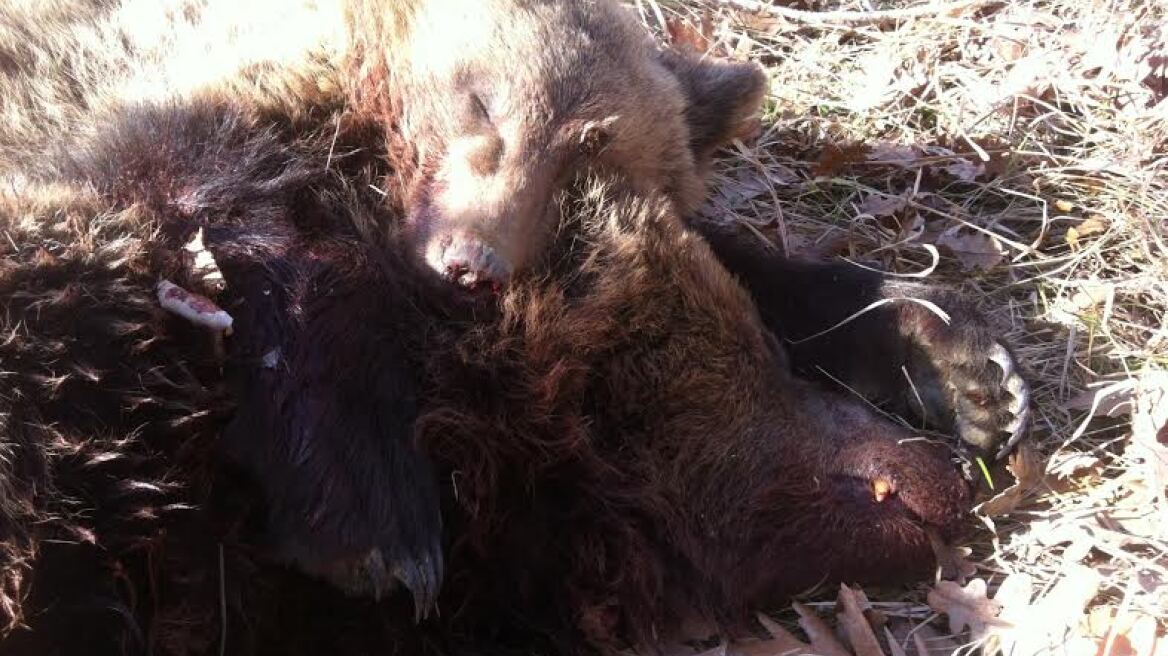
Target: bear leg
x=919, y=350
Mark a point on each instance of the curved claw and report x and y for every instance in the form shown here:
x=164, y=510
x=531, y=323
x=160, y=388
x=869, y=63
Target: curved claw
x=377, y=575
x=422, y=576
x=1019, y=406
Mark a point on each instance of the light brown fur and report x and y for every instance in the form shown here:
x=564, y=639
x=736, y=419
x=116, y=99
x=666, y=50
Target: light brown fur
x=488, y=107
x=67, y=66
x=497, y=104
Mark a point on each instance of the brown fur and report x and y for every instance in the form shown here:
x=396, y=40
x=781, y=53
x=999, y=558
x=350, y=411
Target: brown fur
x=615, y=441
x=479, y=144
x=621, y=445
x=495, y=120
x=660, y=448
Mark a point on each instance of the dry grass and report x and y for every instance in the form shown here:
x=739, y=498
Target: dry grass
x=1029, y=142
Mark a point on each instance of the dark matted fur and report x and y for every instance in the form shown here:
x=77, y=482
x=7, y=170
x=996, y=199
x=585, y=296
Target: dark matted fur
x=613, y=443
x=619, y=445
x=116, y=415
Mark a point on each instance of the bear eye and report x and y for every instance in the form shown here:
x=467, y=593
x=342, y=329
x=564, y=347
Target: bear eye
x=594, y=138
x=479, y=108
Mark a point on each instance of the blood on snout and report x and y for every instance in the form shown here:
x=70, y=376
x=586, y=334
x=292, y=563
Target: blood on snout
x=487, y=207
x=467, y=260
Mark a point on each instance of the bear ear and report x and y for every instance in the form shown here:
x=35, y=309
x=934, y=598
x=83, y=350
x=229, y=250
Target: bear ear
x=721, y=96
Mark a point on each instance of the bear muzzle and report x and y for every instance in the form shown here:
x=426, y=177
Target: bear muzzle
x=469, y=262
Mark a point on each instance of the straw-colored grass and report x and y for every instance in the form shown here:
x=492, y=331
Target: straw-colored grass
x=1027, y=144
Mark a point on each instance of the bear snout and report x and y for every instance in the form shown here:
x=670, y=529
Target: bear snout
x=468, y=261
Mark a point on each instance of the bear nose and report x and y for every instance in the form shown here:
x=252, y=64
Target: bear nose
x=471, y=263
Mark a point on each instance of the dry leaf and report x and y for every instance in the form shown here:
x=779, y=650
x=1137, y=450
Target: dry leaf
x=952, y=559
x=1049, y=533
x=1087, y=295
x=895, y=154
x=1030, y=75
x=966, y=607
x=1130, y=634
x=781, y=175
x=1149, y=444
x=1065, y=464
x=893, y=646
x=1013, y=596
x=874, y=617
x=684, y=35
x=1114, y=400
x=834, y=159
x=1051, y=621
x=879, y=205
x=855, y=626
x=965, y=170
x=974, y=250
x=780, y=643
x=743, y=187
x=1027, y=467
x=823, y=640
x=1089, y=227
x=761, y=23
x=912, y=227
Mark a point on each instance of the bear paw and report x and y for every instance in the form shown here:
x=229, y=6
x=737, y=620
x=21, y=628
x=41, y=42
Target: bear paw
x=378, y=572
x=963, y=378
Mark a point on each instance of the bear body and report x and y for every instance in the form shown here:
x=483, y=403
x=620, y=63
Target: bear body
x=618, y=443
x=616, y=440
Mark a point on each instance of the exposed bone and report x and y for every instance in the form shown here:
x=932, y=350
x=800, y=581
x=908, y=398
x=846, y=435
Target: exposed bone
x=195, y=308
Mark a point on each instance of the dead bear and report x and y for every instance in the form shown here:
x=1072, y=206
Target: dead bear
x=484, y=132
x=620, y=443
x=279, y=224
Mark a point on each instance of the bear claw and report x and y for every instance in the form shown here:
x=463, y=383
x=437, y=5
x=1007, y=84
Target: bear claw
x=422, y=576
x=1019, y=406
x=375, y=574
x=982, y=417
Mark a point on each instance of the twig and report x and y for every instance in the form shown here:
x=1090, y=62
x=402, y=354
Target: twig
x=851, y=17
x=929, y=305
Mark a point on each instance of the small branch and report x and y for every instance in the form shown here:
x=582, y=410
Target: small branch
x=851, y=17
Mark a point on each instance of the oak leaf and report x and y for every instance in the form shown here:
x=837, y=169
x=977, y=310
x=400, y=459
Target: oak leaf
x=1028, y=469
x=967, y=607
x=855, y=626
x=973, y=249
